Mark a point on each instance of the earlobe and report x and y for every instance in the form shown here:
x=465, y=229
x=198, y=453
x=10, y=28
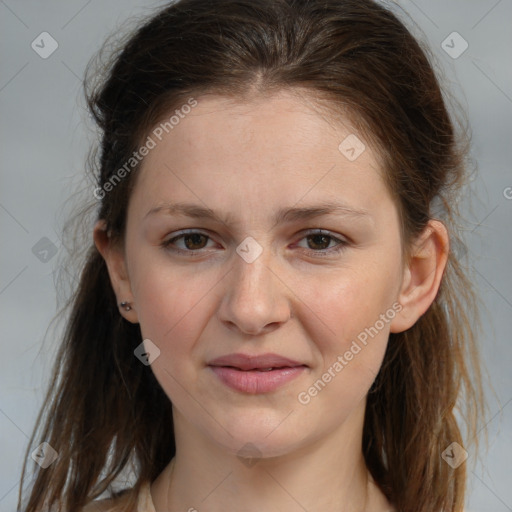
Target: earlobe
x=422, y=275
x=116, y=265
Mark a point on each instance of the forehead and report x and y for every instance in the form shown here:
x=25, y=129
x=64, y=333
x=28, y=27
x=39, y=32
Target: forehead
x=284, y=123
x=276, y=149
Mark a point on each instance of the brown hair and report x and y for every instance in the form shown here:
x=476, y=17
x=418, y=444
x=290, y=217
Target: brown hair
x=105, y=409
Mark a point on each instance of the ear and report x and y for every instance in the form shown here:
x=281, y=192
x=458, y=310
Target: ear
x=422, y=275
x=116, y=264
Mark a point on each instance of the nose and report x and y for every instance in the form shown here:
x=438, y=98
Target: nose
x=255, y=299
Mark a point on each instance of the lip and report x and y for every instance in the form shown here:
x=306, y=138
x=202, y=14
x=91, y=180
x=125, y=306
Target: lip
x=246, y=373
x=248, y=362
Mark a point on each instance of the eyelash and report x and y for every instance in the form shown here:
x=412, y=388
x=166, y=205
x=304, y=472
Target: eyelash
x=167, y=244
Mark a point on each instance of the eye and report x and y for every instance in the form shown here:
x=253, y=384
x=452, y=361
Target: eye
x=192, y=241
x=318, y=242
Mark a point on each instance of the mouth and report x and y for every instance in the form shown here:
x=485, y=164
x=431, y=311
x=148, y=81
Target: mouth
x=256, y=374
x=259, y=369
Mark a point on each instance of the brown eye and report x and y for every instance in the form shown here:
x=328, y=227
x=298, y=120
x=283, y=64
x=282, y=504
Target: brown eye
x=319, y=242
x=190, y=242
x=194, y=241
x=322, y=243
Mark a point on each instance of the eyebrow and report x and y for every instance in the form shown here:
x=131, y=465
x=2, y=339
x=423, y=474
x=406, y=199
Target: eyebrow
x=291, y=214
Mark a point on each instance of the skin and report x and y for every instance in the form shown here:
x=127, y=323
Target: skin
x=247, y=159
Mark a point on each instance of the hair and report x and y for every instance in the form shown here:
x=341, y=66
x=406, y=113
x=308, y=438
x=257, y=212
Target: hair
x=103, y=408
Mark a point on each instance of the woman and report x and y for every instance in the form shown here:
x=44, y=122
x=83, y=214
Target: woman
x=270, y=317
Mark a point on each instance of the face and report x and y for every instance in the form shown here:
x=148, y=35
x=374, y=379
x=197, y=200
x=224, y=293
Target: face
x=300, y=260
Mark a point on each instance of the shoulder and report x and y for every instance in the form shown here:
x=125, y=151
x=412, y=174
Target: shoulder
x=101, y=506
x=117, y=504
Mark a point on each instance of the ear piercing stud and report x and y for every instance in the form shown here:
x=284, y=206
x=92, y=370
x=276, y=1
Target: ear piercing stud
x=125, y=305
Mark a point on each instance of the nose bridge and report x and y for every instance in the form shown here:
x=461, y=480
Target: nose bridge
x=252, y=279
x=254, y=298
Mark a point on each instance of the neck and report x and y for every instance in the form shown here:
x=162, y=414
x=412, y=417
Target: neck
x=328, y=474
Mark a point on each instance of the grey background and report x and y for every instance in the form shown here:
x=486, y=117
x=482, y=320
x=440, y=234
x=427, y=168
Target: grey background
x=44, y=144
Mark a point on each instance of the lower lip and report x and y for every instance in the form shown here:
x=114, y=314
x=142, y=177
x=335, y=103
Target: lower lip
x=254, y=381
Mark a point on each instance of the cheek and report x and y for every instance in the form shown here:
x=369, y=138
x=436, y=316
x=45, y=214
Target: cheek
x=350, y=318
x=171, y=312
x=174, y=304
x=170, y=309
x=163, y=294
x=350, y=333
x=351, y=302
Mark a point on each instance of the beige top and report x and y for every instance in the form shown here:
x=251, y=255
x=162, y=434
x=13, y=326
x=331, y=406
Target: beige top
x=145, y=502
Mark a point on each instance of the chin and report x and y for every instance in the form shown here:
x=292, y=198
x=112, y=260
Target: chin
x=260, y=439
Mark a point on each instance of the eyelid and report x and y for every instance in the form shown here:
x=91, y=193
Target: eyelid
x=179, y=234
x=320, y=231
x=342, y=242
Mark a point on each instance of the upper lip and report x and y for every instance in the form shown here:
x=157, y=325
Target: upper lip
x=248, y=362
